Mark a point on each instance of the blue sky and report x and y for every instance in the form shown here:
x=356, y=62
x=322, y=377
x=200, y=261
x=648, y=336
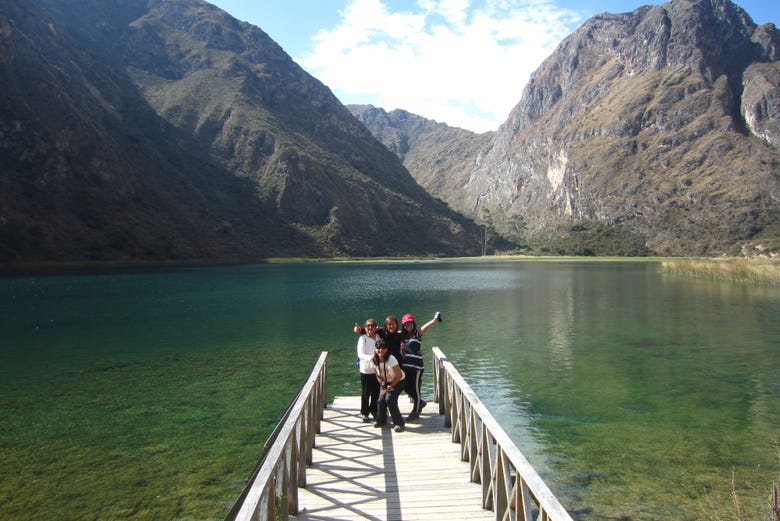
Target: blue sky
x=460, y=62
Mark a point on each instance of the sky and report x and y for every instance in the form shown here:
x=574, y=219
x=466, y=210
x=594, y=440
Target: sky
x=460, y=62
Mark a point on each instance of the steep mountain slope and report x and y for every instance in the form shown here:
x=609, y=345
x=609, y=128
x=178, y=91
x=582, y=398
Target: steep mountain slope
x=655, y=131
x=441, y=158
x=663, y=121
x=141, y=129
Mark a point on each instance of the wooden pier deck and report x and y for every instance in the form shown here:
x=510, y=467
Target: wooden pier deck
x=362, y=472
x=324, y=463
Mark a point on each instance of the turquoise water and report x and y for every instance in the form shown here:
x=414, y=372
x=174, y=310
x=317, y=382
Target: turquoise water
x=149, y=394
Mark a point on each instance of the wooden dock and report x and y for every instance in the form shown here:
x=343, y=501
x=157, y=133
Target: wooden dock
x=322, y=462
x=362, y=472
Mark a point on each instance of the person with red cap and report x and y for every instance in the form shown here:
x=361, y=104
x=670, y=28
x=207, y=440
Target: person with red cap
x=397, y=342
x=413, y=363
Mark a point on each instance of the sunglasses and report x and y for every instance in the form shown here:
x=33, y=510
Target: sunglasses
x=407, y=324
x=381, y=347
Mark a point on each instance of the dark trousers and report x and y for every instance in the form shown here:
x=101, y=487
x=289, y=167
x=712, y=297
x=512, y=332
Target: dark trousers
x=389, y=400
x=412, y=387
x=369, y=394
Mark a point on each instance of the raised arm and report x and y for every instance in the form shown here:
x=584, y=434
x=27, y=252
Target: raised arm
x=360, y=330
x=424, y=327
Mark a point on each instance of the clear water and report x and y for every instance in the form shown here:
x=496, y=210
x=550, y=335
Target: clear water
x=148, y=395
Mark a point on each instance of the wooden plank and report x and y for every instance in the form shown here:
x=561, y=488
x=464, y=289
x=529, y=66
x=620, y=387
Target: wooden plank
x=361, y=472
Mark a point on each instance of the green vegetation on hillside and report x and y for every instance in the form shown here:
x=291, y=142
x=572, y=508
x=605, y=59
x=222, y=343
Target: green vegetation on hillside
x=592, y=238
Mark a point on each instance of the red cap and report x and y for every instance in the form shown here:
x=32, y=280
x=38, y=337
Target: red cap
x=407, y=318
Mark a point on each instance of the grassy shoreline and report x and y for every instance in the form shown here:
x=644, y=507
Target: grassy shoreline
x=759, y=271
x=753, y=270
x=44, y=267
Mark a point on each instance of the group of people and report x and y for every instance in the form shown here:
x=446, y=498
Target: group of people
x=390, y=361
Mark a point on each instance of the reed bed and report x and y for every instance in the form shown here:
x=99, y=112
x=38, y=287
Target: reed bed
x=763, y=271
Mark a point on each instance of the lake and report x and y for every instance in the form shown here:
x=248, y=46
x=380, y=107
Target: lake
x=148, y=394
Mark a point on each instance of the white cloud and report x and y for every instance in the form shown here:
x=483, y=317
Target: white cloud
x=448, y=60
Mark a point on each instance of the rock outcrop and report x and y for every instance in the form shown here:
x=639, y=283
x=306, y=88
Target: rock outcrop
x=663, y=120
x=657, y=129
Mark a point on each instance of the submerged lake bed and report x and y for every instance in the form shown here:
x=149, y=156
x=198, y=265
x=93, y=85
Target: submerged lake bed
x=149, y=394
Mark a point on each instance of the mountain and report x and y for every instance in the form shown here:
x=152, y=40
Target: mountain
x=655, y=131
x=438, y=156
x=147, y=130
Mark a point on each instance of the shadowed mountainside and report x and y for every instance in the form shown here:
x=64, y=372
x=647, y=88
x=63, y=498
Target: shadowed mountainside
x=144, y=130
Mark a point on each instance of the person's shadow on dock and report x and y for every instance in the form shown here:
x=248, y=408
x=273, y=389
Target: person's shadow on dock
x=356, y=474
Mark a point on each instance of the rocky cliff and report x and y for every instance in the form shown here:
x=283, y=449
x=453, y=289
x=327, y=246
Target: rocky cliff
x=167, y=130
x=663, y=120
x=654, y=131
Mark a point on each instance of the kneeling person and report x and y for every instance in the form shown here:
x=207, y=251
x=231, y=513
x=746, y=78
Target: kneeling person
x=390, y=377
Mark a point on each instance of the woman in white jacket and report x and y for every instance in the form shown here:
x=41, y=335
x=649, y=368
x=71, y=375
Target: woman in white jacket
x=369, y=386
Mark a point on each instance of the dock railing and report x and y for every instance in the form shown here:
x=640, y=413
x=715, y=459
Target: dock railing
x=272, y=490
x=510, y=486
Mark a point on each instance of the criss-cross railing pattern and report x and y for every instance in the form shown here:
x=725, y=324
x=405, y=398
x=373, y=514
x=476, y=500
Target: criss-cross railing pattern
x=272, y=491
x=510, y=486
